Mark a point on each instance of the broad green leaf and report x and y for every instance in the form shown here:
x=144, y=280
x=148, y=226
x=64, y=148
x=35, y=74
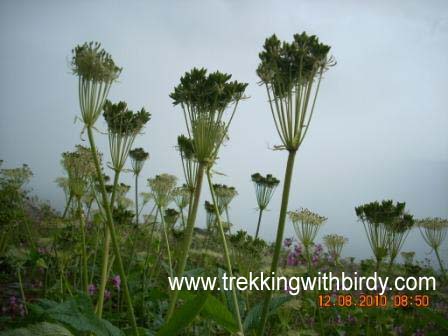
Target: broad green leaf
x=254, y=315
x=218, y=312
x=39, y=329
x=184, y=316
x=77, y=314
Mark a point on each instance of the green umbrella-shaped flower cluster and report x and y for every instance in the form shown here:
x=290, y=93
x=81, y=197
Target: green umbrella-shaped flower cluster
x=162, y=187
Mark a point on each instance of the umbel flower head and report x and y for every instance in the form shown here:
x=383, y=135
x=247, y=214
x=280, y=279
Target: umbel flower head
x=162, y=187
x=264, y=188
x=138, y=158
x=91, y=62
x=289, y=71
x=96, y=71
x=224, y=195
x=334, y=244
x=171, y=216
x=434, y=231
x=386, y=225
x=306, y=224
x=189, y=163
x=204, y=98
x=80, y=167
x=181, y=196
x=210, y=215
x=123, y=126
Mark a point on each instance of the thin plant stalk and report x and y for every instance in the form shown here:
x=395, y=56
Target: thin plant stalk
x=22, y=292
x=110, y=225
x=260, y=213
x=226, y=252
x=82, y=223
x=167, y=242
x=279, y=238
x=136, y=200
x=67, y=206
x=106, y=249
x=186, y=243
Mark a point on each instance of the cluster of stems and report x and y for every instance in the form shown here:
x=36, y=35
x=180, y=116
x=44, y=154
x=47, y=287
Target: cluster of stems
x=386, y=225
x=291, y=73
x=205, y=99
x=96, y=72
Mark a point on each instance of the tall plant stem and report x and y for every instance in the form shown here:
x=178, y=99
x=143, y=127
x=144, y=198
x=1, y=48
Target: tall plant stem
x=106, y=249
x=259, y=222
x=226, y=252
x=226, y=209
x=67, y=206
x=110, y=225
x=442, y=269
x=188, y=236
x=85, y=281
x=279, y=239
x=136, y=199
x=167, y=242
x=22, y=292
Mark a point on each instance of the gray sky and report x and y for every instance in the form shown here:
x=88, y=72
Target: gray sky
x=379, y=129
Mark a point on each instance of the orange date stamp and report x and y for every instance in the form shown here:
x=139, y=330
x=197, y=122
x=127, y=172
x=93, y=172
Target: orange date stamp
x=373, y=300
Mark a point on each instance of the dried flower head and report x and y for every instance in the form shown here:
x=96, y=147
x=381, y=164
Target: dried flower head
x=224, y=195
x=204, y=99
x=138, y=158
x=334, y=244
x=434, y=231
x=289, y=71
x=123, y=126
x=171, y=216
x=120, y=120
x=96, y=72
x=264, y=188
x=386, y=225
x=91, y=62
x=210, y=215
x=181, y=196
x=306, y=224
x=162, y=187
x=80, y=167
x=189, y=162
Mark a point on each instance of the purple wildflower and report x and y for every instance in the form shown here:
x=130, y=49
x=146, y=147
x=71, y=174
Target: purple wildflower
x=419, y=332
x=287, y=242
x=116, y=281
x=91, y=289
x=107, y=295
x=292, y=260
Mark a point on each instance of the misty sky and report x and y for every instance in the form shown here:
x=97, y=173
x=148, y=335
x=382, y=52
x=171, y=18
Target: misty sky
x=379, y=129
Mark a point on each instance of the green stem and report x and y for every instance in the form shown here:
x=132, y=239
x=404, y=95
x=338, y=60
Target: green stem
x=167, y=242
x=106, y=249
x=228, y=219
x=85, y=283
x=442, y=269
x=259, y=222
x=22, y=292
x=136, y=199
x=226, y=253
x=111, y=227
x=279, y=239
x=188, y=236
x=67, y=206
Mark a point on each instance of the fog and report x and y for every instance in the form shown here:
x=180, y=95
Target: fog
x=379, y=128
